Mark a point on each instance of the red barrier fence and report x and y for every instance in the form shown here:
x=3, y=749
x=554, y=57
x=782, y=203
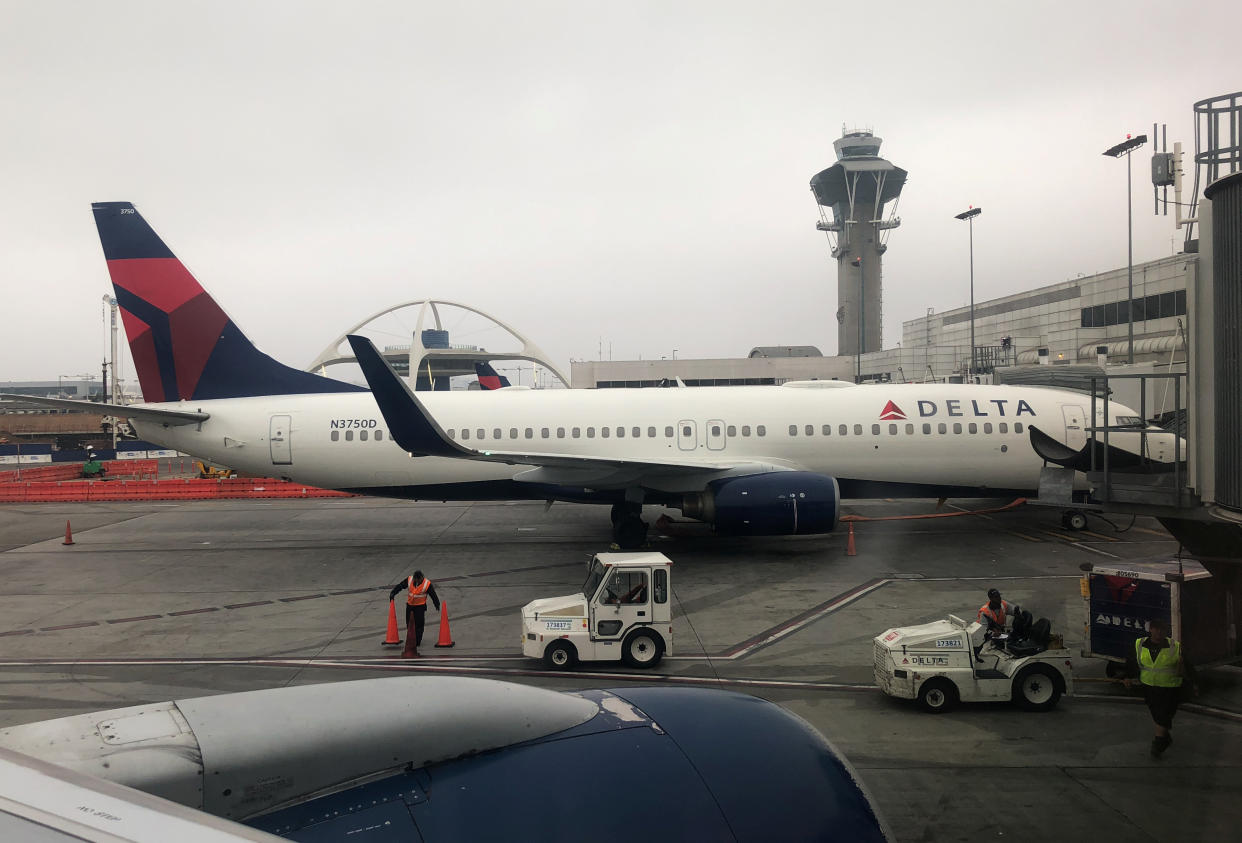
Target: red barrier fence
x=158, y=490
x=73, y=471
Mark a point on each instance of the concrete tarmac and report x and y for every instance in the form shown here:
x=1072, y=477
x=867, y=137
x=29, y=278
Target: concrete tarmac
x=159, y=601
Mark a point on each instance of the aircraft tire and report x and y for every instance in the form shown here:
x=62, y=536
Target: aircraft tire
x=631, y=533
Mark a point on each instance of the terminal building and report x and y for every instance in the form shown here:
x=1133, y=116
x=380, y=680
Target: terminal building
x=1062, y=323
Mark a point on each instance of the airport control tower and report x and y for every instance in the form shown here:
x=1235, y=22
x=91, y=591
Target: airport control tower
x=851, y=195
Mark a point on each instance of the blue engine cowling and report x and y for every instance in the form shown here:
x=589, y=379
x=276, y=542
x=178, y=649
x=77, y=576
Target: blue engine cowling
x=779, y=503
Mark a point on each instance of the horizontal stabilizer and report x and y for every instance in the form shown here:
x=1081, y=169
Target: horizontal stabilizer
x=171, y=418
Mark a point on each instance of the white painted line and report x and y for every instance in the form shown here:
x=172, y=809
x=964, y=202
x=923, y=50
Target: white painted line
x=1094, y=550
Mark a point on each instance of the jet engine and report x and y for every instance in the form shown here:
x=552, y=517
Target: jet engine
x=779, y=503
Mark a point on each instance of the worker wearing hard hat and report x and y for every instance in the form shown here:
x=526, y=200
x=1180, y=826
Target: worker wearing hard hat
x=419, y=588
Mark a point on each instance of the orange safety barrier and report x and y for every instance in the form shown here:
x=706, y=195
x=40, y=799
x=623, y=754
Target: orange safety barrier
x=169, y=489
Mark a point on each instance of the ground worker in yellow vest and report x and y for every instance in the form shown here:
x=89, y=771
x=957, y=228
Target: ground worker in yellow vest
x=1158, y=664
x=419, y=588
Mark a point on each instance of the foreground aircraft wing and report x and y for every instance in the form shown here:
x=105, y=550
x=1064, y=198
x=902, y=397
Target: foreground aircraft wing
x=170, y=418
x=413, y=428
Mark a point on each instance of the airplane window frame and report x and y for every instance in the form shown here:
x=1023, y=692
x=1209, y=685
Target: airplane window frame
x=362, y=435
x=942, y=428
x=843, y=430
x=987, y=427
x=761, y=430
x=746, y=431
x=480, y=433
x=730, y=430
x=1017, y=427
x=875, y=430
x=909, y=429
x=669, y=432
x=972, y=428
x=793, y=430
x=335, y=435
x=957, y=428
x=379, y=436
x=349, y=436
x=1002, y=427
x=575, y=433
x=926, y=428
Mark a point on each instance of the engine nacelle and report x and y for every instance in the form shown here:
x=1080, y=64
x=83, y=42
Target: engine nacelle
x=779, y=503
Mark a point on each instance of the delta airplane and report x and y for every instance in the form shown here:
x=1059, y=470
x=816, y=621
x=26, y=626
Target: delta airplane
x=762, y=460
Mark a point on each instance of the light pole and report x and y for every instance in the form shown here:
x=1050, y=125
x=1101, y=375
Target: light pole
x=1125, y=148
x=969, y=215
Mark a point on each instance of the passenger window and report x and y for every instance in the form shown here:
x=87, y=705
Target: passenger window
x=909, y=429
x=513, y=433
x=496, y=434
x=379, y=435
x=926, y=427
x=544, y=433
x=590, y=433
x=942, y=428
x=760, y=430
x=465, y=433
x=987, y=427
x=1017, y=427
x=659, y=586
x=892, y=430
x=620, y=432
x=480, y=434
x=715, y=430
x=793, y=430
x=349, y=436
x=636, y=432
x=668, y=431
x=687, y=431
x=335, y=436
x=972, y=428
x=826, y=430
x=1003, y=427
x=576, y=433
x=875, y=430
x=746, y=430
x=731, y=431
x=560, y=433
x=843, y=430
x=651, y=432
x=362, y=436
x=530, y=433
x=957, y=427
x=604, y=432
x=810, y=430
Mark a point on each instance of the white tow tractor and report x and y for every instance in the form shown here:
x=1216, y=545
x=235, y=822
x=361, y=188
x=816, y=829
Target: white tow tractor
x=622, y=613
x=947, y=661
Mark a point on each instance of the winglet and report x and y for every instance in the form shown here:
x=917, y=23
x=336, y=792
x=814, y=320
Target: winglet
x=409, y=423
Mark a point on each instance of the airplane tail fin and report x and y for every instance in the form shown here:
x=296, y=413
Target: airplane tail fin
x=489, y=378
x=184, y=346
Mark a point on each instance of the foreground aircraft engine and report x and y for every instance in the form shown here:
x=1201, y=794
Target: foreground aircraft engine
x=779, y=503
x=442, y=758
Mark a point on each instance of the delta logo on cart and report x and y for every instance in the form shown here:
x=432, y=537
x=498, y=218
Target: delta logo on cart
x=891, y=412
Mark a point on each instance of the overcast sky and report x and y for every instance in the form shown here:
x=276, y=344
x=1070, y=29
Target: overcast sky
x=625, y=171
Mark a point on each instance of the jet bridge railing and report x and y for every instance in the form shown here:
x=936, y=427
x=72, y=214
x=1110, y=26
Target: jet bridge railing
x=1149, y=484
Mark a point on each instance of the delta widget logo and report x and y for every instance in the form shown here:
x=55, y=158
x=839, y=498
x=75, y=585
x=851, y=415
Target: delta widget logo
x=891, y=412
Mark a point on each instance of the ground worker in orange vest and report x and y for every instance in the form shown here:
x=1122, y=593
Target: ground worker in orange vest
x=1160, y=667
x=419, y=588
x=994, y=613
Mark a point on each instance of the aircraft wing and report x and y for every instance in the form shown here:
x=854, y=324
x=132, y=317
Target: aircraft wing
x=171, y=418
x=413, y=428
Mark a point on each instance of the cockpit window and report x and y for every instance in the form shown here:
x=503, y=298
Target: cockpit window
x=1129, y=421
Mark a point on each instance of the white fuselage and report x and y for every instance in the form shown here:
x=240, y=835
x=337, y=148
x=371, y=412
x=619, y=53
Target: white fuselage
x=935, y=435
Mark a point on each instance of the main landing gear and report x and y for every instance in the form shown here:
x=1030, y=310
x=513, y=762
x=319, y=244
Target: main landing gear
x=629, y=530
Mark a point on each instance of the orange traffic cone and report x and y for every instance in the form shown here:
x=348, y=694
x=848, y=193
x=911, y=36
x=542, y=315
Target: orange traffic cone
x=411, y=645
x=849, y=542
x=446, y=640
x=68, y=534
x=394, y=637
